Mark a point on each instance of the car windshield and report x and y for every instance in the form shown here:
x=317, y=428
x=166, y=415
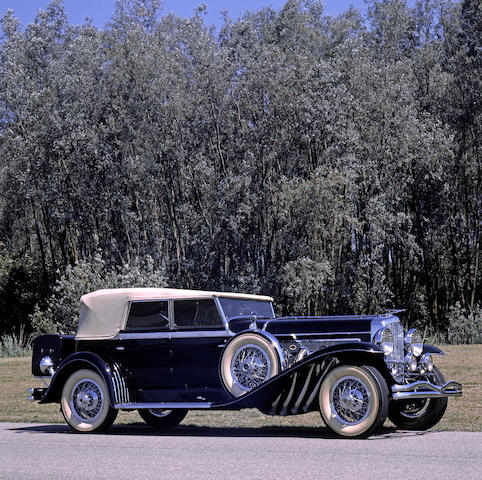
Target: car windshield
x=235, y=307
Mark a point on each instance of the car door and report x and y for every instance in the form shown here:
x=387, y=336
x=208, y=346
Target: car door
x=197, y=342
x=145, y=349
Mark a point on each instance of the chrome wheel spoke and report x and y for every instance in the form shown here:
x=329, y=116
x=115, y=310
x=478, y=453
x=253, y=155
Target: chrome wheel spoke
x=86, y=400
x=250, y=366
x=350, y=400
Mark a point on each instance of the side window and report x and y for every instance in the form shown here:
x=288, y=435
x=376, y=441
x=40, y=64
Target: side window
x=148, y=316
x=196, y=314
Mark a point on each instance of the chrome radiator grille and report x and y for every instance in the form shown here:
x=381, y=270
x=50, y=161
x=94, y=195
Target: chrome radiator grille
x=398, y=344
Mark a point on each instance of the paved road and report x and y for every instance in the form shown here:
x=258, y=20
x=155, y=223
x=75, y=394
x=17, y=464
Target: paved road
x=36, y=451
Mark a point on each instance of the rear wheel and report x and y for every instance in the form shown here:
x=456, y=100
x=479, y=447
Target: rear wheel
x=353, y=400
x=85, y=402
x=421, y=413
x=161, y=418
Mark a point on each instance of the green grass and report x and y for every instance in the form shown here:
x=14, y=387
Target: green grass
x=462, y=363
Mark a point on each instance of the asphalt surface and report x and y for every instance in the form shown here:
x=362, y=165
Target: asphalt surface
x=37, y=451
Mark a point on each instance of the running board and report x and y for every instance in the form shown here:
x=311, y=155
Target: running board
x=163, y=406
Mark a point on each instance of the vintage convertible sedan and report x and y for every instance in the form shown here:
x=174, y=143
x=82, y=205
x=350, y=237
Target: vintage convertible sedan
x=166, y=351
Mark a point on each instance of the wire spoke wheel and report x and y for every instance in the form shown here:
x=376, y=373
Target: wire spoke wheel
x=85, y=402
x=350, y=400
x=353, y=400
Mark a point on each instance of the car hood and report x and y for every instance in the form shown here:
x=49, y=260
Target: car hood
x=310, y=326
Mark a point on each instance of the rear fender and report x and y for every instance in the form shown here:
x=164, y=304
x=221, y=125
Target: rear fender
x=75, y=362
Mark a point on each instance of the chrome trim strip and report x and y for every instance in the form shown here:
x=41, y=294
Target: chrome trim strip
x=274, y=405
x=176, y=334
x=319, y=333
x=324, y=341
x=284, y=409
x=302, y=394
x=423, y=389
x=165, y=405
x=115, y=384
x=143, y=336
x=125, y=397
x=321, y=369
x=120, y=390
x=170, y=313
x=313, y=394
x=202, y=333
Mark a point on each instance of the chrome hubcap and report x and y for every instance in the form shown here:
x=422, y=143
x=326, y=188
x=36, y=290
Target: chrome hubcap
x=159, y=412
x=250, y=367
x=349, y=398
x=352, y=400
x=415, y=409
x=86, y=400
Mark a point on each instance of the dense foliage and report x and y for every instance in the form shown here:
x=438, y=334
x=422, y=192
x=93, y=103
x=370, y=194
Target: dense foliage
x=333, y=163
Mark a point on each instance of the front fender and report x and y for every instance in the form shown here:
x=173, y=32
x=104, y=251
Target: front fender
x=75, y=362
x=432, y=349
x=293, y=390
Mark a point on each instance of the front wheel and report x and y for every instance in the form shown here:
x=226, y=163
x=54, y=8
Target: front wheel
x=160, y=418
x=353, y=400
x=85, y=402
x=421, y=413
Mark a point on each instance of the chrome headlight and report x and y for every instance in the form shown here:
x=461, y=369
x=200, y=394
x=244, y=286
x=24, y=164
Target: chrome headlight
x=410, y=362
x=384, y=338
x=426, y=362
x=414, y=342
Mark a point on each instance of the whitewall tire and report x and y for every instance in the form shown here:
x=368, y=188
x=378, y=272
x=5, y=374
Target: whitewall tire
x=353, y=400
x=85, y=402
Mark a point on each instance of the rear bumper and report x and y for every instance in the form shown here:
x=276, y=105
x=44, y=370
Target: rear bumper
x=36, y=394
x=422, y=389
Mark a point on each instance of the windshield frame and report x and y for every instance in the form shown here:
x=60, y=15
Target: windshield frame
x=226, y=318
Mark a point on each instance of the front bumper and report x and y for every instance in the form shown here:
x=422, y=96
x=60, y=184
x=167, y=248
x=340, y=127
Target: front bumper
x=423, y=389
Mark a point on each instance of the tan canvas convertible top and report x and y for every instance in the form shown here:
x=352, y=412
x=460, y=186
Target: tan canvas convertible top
x=103, y=312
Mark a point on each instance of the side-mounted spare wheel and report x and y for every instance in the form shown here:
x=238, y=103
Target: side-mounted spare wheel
x=247, y=361
x=85, y=402
x=353, y=400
